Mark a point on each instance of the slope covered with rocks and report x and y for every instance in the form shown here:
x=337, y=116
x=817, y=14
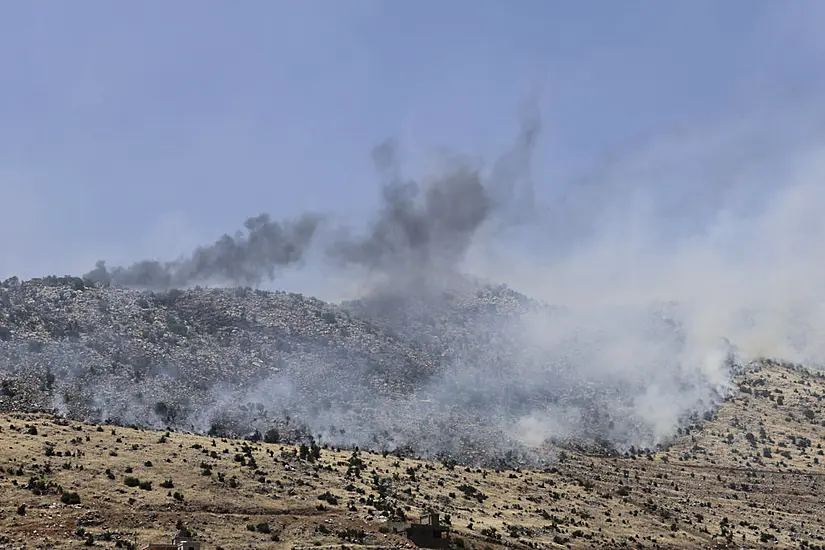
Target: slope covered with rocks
x=440, y=373
x=204, y=359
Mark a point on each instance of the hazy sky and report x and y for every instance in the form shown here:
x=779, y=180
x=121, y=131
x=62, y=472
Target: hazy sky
x=143, y=128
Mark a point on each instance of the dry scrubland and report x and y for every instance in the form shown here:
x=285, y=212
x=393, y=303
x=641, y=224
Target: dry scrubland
x=753, y=475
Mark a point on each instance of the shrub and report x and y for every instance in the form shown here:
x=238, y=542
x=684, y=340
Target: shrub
x=70, y=498
x=329, y=498
x=131, y=481
x=272, y=436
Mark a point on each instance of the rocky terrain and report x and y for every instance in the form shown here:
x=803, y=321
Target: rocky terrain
x=446, y=373
x=750, y=475
x=270, y=419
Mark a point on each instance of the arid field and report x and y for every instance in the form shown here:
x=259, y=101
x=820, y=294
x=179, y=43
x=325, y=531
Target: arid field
x=749, y=476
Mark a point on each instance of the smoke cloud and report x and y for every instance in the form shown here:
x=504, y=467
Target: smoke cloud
x=421, y=233
x=424, y=230
x=638, y=297
x=245, y=259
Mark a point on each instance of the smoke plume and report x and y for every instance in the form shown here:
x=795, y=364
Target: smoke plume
x=423, y=230
x=245, y=259
x=625, y=316
x=421, y=233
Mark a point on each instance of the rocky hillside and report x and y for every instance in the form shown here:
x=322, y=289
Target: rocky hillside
x=223, y=361
x=439, y=373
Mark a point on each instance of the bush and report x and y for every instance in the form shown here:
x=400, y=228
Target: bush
x=272, y=436
x=183, y=530
x=329, y=498
x=131, y=481
x=70, y=498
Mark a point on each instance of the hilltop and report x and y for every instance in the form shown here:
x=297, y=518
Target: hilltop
x=749, y=475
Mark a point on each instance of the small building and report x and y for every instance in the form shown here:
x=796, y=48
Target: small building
x=429, y=533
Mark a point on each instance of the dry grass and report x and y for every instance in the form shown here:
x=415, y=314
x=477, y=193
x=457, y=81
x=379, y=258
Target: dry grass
x=715, y=486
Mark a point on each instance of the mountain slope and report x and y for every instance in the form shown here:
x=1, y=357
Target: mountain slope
x=750, y=475
x=478, y=373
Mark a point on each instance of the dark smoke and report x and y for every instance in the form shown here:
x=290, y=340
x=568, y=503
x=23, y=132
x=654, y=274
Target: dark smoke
x=245, y=259
x=423, y=231
x=420, y=235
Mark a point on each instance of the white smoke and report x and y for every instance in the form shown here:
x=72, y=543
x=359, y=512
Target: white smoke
x=723, y=239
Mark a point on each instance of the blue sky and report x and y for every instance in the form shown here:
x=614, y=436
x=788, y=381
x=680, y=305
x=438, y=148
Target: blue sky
x=141, y=129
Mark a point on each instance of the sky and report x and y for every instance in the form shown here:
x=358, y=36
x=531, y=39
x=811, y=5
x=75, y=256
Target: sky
x=135, y=130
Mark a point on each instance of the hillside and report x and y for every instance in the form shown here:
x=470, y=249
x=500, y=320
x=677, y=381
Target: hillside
x=236, y=413
x=750, y=475
x=473, y=372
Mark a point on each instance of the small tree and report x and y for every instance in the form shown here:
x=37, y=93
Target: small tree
x=272, y=436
